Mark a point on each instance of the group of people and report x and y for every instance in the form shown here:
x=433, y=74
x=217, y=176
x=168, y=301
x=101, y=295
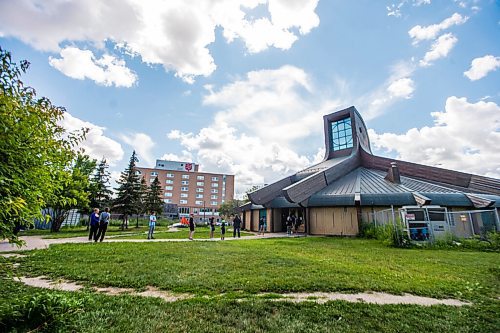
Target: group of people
x=99, y=224
x=211, y=223
x=292, y=224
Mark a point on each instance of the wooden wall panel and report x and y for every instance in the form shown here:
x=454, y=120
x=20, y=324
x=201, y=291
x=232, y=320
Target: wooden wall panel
x=339, y=221
x=255, y=220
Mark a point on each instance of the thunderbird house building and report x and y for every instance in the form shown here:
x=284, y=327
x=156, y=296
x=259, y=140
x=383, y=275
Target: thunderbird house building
x=351, y=186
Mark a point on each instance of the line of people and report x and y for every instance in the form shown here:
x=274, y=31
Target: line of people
x=99, y=224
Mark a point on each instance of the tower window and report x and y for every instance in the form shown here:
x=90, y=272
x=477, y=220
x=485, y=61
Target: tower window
x=341, y=134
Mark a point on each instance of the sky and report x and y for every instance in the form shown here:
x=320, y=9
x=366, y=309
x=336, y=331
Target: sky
x=240, y=86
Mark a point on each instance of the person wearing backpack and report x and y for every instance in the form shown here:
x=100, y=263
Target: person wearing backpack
x=103, y=225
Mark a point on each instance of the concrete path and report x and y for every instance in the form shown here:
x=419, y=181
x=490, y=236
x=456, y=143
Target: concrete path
x=37, y=242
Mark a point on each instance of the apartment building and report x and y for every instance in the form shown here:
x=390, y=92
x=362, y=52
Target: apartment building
x=200, y=193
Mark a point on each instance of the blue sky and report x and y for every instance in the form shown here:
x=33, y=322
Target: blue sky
x=241, y=86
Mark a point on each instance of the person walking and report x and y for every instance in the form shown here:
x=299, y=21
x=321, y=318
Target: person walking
x=289, y=223
x=191, y=227
x=212, y=226
x=152, y=225
x=103, y=225
x=236, y=226
x=94, y=224
x=222, y=229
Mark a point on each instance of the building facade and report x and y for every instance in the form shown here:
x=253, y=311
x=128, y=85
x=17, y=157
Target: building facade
x=194, y=192
x=351, y=186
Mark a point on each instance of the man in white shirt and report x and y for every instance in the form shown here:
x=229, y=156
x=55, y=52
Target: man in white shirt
x=152, y=225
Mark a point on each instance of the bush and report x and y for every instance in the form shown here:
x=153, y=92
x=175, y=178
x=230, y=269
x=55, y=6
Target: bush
x=41, y=312
x=388, y=234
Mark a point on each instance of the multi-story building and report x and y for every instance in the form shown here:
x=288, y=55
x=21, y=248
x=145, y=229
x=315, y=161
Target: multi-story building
x=199, y=193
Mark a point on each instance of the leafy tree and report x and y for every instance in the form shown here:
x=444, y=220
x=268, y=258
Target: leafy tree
x=128, y=196
x=73, y=192
x=34, y=149
x=100, y=193
x=230, y=207
x=154, y=202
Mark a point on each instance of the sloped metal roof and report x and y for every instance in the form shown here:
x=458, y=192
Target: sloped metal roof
x=318, y=167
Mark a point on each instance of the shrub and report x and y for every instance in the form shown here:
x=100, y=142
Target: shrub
x=41, y=312
x=388, y=234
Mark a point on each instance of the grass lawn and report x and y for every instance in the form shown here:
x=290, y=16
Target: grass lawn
x=242, y=268
x=200, y=233
x=66, y=232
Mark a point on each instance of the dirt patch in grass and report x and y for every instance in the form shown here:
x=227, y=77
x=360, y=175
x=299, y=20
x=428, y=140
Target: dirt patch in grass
x=317, y=297
x=12, y=255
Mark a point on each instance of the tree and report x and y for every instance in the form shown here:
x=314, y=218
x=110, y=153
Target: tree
x=154, y=202
x=100, y=193
x=143, y=197
x=73, y=192
x=34, y=149
x=230, y=207
x=128, y=196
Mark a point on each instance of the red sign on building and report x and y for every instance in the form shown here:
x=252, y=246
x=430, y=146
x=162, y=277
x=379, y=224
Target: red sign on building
x=188, y=166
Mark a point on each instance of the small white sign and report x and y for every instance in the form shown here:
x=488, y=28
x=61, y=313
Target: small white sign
x=410, y=217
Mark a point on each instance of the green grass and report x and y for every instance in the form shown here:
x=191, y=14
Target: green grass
x=200, y=233
x=85, y=312
x=67, y=232
x=273, y=265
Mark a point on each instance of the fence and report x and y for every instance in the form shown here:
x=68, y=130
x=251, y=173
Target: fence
x=428, y=223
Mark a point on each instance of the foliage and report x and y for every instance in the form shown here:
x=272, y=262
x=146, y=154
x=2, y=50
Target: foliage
x=388, y=234
x=73, y=192
x=100, y=193
x=34, y=149
x=489, y=242
x=230, y=207
x=154, y=202
x=128, y=199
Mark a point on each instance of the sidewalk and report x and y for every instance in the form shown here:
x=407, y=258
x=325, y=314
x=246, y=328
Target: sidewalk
x=37, y=242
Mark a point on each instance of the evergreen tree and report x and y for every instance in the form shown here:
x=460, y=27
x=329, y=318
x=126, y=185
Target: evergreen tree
x=154, y=201
x=100, y=195
x=128, y=192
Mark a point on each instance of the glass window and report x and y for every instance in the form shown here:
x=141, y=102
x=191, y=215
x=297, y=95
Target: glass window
x=199, y=196
x=170, y=175
x=185, y=182
x=214, y=203
x=214, y=197
x=342, y=134
x=215, y=185
x=200, y=190
x=169, y=188
x=214, y=179
x=184, y=189
x=200, y=184
x=214, y=190
x=184, y=210
x=169, y=181
x=183, y=202
x=199, y=202
x=152, y=180
x=154, y=173
x=167, y=200
x=200, y=177
x=184, y=195
x=168, y=194
x=185, y=176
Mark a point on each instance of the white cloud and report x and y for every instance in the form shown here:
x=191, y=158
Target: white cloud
x=464, y=137
x=398, y=86
x=439, y=49
x=264, y=119
x=175, y=33
x=143, y=145
x=395, y=9
x=402, y=88
x=82, y=64
x=96, y=144
x=480, y=67
x=419, y=33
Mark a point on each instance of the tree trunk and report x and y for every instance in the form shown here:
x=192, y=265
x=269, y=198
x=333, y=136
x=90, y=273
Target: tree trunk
x=58, y=217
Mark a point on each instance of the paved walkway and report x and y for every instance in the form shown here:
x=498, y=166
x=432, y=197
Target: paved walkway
x=37, y=242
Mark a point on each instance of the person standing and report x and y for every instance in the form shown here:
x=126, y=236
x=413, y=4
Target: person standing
x=223, y=229
x=152, y=225
x=94, y=223
x=103, y=224
x=212, y=226
x=191, y=227
x=262, y=223
x=289, y=223
x=236, y=226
